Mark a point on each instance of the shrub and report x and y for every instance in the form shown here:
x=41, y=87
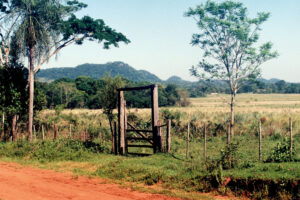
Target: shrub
x=229, y=156
x=281, y=152
x=59, y=150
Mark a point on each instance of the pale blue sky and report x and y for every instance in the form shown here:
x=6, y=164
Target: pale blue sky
x=160, y=36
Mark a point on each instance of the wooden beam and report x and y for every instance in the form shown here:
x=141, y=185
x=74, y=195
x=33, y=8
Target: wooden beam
x=139, y=130
x=137, y=88
x=142, y=139
x=139, y=145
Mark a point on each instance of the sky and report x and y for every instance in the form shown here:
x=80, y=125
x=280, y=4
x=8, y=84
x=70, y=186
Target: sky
x=160, y=37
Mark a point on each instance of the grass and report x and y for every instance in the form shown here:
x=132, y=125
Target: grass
x=174, y=171
x=167, y=171
x=274, y=109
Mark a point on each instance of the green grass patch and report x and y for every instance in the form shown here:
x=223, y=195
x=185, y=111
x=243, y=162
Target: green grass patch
x=171, y=171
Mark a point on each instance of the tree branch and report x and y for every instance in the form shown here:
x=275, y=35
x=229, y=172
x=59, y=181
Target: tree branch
x=67, y=43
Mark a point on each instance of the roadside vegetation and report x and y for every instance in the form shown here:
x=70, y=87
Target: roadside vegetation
x=276, y=176
x=67, y=124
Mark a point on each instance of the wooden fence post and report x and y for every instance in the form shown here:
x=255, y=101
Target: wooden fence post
x=125, y=128
x=43, y=132
x=168, y=142
x=188, y=142
x=155, y=117
x=55, y=132
x=70, y=129
x=228, y=134
x=85, y=132
x=100, y=134
x=113, y=148
x=260, y=140
x=204, y=143
x=160, y=141
x=115, y=138
x=291, y=137
x=34, y=132
x=121, y=123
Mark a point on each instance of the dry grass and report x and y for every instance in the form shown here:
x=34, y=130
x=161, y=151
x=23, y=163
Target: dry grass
x=275, y=109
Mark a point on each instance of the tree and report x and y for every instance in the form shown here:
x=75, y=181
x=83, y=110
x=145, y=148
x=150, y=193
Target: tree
x=86, y=84
x=13, y=99
x=228, y=38
x=44, y=27
x=109, y=96
x=281, y=85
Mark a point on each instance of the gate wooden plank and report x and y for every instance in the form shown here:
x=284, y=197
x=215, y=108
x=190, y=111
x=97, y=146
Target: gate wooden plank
x=139, y=130
x=142, y=139
x=142, y=135
x=140, y=145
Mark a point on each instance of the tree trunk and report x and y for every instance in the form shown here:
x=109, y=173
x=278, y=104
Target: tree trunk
x=232, y=115
x=31, y=92
x=3, y=125
x=14, y=128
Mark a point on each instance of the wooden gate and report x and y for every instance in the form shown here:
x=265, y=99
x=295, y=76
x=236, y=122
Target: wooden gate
x=154, y=138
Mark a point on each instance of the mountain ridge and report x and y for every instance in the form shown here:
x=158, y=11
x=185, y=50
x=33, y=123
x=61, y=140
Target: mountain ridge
x=98, y=71
x=115, y=68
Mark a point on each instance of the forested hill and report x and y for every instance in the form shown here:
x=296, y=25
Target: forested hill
x=97, y=71
x=195, y=89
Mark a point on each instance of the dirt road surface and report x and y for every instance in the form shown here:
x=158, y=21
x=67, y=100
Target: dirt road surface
x=22, y=183
x=19, y=182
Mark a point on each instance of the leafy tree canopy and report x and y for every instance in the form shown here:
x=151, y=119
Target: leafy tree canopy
x=50, y=25
x=228, y=37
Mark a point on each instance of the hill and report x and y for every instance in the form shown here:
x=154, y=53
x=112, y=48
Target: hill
x=97, y=71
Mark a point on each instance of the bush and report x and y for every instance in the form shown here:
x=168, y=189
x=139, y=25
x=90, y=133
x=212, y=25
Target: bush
x=59, y=150
x=229, y=157
x=281, y=153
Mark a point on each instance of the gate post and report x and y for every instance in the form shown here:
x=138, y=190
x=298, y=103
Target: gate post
x=121, y=117
x=125, y=128
x=155, y=117
x=168, y=138
x=160, y=140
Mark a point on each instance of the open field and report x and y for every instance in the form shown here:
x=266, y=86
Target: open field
x=280, y=179
x=274, y=109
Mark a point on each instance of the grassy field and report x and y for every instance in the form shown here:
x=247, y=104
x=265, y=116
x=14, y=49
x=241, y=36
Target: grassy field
x=237, y=163
x=273, y=109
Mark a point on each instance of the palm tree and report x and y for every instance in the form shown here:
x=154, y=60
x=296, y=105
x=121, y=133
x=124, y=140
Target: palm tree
x=43, y=31
x=34, y=36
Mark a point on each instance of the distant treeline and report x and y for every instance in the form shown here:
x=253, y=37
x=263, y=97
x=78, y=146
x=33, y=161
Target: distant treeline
x=87, y=92
x=203, y=88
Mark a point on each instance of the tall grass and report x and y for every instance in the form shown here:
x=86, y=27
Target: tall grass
x=174, y=170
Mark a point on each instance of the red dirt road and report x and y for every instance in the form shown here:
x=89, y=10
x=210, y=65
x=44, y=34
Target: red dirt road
x=22, y=183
